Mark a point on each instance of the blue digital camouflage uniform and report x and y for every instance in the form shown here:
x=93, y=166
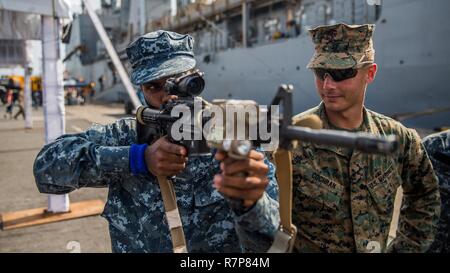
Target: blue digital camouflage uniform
x=438, y=149
x=99, y=157
x=134, y=210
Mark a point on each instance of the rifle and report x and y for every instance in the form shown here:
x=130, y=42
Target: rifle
x=156, y=123
x=307, y=130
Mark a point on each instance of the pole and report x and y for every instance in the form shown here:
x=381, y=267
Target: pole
x=142, y=19
x=245, y=15
x=54, y=109
x=27, y=91
x=112, y=54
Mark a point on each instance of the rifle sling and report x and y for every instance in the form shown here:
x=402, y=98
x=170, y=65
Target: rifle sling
x=172, y=215
x=285, y=237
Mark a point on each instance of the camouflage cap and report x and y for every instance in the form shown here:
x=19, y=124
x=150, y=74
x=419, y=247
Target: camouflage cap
x=160, y=54
x=342, y=46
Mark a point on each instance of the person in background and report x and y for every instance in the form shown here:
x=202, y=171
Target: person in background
x=438, y=149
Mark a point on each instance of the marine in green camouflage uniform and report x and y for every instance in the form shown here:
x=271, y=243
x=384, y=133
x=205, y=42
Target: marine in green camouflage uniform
x=438, y=149
x=343, y=198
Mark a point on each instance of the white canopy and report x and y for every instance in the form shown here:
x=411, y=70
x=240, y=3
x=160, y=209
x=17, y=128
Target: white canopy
x=23, y=17
x=59, y=8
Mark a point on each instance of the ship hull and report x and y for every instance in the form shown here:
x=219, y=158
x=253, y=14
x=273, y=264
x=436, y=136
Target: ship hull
x=410, y=42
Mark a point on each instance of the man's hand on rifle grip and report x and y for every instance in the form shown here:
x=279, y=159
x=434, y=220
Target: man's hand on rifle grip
x=164, y=158
x=233, y=184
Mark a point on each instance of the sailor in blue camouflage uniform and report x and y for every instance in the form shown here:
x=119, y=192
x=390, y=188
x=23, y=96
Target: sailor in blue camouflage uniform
x=109, y=156
x=438, y=149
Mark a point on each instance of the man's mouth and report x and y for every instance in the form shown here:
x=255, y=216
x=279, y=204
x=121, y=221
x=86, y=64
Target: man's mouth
x=332, y=96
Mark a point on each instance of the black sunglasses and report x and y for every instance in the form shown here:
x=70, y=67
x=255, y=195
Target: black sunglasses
x=337, y=74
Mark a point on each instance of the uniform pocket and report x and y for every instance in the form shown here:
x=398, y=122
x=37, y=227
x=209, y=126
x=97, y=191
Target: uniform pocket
x=383, y=188
x=317, y=188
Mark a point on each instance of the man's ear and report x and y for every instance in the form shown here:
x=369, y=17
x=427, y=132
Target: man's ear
x=371, y=73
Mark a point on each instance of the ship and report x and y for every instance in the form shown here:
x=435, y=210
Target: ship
x=248, y=48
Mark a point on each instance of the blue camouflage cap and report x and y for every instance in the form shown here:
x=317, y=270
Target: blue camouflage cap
x=160, y=54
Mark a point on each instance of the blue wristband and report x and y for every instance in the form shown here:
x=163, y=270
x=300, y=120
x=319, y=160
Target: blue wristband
x=137, y=159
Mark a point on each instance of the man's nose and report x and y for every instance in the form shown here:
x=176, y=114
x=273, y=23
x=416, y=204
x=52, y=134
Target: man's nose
x=328, y=82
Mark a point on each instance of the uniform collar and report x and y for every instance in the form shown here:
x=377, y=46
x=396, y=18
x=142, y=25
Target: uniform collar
x=367, y=126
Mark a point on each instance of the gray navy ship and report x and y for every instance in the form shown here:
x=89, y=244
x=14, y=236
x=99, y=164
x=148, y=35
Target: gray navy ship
x=248, y=48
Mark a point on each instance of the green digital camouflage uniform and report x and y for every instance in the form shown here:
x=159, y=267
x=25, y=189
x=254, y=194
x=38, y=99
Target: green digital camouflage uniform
x=344, y=199
x=342, y=46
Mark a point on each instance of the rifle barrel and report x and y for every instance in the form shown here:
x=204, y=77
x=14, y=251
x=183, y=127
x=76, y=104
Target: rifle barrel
x=361, y=141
